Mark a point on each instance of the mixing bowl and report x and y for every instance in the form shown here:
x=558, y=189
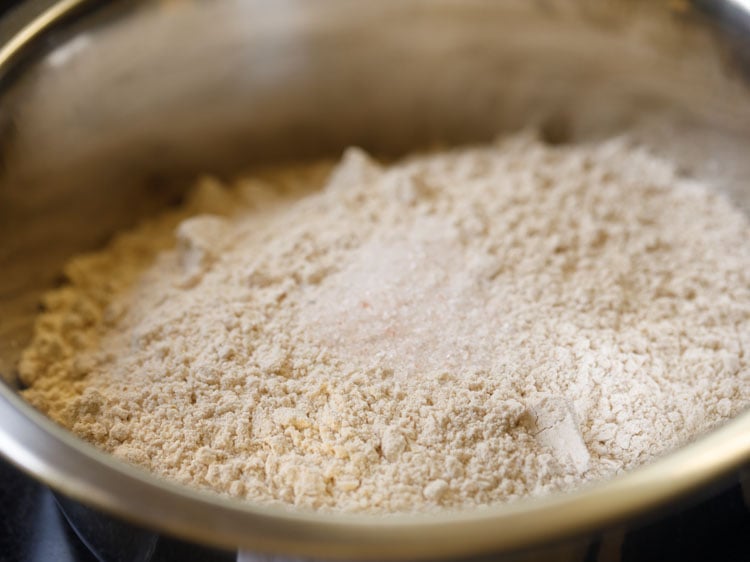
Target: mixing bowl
x=109, y=109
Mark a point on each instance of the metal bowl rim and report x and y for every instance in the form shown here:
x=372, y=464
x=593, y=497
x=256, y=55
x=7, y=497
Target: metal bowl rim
x=34, y=443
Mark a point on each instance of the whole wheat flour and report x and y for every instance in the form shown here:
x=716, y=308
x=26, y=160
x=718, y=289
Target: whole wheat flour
x=455, y=330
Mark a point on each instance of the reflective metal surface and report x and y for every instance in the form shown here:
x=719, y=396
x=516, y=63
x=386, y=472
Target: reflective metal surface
x=107, y=109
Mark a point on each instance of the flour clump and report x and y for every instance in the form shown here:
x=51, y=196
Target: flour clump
x=453, y=330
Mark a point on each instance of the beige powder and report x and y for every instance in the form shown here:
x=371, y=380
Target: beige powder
x=455, y=330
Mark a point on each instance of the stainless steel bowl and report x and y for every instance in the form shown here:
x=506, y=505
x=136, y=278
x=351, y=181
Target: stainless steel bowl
x=107, y=109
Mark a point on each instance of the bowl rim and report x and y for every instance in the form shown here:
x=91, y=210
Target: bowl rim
x=77, y=469
x=56, y=457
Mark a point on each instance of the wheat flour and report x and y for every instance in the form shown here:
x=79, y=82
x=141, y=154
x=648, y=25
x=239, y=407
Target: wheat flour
x=454, y=330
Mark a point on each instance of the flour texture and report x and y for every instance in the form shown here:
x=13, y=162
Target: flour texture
x=454, y=330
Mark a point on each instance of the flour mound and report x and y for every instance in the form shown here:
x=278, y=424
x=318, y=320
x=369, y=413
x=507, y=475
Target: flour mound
x=454, y=330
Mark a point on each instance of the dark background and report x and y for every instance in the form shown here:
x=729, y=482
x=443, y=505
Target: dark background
x=6, y=5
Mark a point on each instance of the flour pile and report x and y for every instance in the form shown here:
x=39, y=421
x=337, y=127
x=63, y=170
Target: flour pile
x=455, y=330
